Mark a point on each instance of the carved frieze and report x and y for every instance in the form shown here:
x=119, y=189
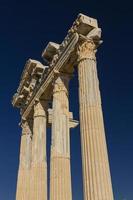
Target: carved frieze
x=31, y=77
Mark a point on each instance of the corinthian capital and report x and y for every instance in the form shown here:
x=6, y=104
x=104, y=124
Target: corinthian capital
x=25, y=127
x=86, y=50
x=88, y=44
x=40, y=108
x=61, y=84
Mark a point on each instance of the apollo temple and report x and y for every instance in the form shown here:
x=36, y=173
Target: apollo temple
x=43, y=85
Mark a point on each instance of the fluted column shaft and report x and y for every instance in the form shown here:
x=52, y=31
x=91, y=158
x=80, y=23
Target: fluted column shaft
x=39, y=163
x=23, y=182
x=96, y=173
x=60, y=173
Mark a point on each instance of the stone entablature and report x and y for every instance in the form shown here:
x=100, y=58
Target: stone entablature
x=58, y=57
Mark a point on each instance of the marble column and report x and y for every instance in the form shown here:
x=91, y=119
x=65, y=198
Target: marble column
x=38, y=184
x=23, y=182
x=60, y=173
x=96, y=173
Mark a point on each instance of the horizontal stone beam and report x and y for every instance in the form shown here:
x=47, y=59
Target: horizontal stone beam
x=51, y=75
x=60, y=58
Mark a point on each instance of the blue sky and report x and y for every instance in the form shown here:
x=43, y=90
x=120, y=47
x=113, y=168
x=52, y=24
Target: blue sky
x=26, y=28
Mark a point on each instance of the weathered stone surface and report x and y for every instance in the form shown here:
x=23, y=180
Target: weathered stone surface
x=50, y=51
x=30, y=78
x=83, y=24
x=72, y=123
x=60, y=173
x=38, y=174
x=96, y=173
x=23, y=182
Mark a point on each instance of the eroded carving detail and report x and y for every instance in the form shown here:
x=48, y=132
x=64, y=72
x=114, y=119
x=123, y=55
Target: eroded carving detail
x=25, y=127
x=60, y=85
x=86, y=50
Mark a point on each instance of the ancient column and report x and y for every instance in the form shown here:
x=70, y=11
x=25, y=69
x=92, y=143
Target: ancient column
x=23, y=182
x=39, y=164
x=60, y=174
x=96, y=173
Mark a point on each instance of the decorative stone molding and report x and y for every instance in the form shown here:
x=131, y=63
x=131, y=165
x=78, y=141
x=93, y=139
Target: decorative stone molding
x=86, y=50
x=30, y=79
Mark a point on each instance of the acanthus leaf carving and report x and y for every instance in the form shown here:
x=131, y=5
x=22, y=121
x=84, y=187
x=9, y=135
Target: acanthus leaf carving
x=86, y=50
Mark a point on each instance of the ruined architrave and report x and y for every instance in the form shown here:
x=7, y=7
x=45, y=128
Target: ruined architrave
x=43, y=85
